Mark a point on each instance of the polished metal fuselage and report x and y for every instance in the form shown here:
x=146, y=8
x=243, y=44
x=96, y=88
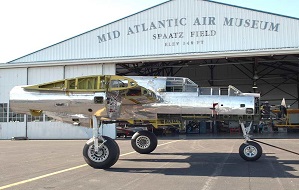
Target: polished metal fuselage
x=193, y=102
x=73, y=106
x=190, y=103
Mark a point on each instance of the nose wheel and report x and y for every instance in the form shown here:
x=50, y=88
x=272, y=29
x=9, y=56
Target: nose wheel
x=250, y=151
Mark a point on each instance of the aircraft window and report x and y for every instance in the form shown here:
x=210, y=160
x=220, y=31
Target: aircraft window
x=98, y=99
x=174, y=84
x=174, y=89
x=215, y=91
x=190, y=88
x=205, y=91
x=177, y=89
x=233, y=91
x=249, y=111
x=174, y=81
x=223, y=91
x=118, y=83
x=188, y=81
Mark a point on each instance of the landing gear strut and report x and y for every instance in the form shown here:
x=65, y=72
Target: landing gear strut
x=100, y=152
x=249, y=151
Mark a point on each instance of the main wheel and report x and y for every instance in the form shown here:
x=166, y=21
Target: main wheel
x=106, y=157
x=144, y=142
x=250, y=151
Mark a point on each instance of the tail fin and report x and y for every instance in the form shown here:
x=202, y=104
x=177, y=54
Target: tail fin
x=283, y=108
x=283, y=103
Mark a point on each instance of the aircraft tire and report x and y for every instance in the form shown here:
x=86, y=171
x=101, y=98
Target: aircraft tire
x=106, y=157
x=250, y=151
x=144, y=142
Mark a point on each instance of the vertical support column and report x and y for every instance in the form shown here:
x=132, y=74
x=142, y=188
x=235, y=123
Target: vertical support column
x=298, y=88
x=95, y=128
x=211, y=81
x=26, y=116
x=26, y=125
x=63, y=72
x=95, y=133
x=254, y=74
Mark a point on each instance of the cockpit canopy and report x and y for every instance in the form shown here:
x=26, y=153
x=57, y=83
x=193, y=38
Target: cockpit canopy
x=179, y=84
x=166, y=84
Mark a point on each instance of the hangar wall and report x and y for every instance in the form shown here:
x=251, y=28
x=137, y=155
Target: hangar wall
x=19, y=125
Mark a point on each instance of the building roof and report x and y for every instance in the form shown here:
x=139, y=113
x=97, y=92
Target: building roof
x=178, y=29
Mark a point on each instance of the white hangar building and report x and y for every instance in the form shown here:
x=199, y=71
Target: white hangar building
x=212, y=43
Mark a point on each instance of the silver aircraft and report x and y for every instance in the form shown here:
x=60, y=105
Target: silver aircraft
x=91, y=100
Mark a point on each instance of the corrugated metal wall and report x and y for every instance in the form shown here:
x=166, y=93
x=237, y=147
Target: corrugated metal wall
x=78, y=70
x=37, y=75
x=10, y=78
x=185, y=27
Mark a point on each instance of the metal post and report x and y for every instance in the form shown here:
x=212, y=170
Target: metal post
x=95, y=133
x=26, y=125
x=298, y=89
x=211, y=81
x=254, y=74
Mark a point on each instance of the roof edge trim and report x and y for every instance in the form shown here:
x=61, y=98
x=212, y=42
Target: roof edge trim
x=251, y=9
x=189, y=56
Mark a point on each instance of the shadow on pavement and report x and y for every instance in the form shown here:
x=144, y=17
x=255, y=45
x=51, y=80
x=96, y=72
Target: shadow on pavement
x=211, y=164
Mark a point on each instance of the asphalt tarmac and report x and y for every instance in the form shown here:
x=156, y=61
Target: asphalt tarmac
x=191, y=163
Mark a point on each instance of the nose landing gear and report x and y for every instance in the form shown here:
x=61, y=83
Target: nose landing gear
x=249, y=151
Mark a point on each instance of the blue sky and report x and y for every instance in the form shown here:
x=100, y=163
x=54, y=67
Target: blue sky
x=30, y=25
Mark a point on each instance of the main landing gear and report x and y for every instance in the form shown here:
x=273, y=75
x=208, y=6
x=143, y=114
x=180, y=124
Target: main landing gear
x=102, y=152
x=102, y=156
x=249, y=151
x=144, y=142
